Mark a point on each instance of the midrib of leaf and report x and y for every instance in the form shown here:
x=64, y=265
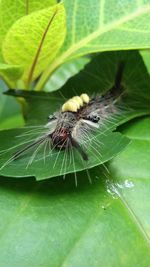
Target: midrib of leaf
x=133, y=217
x=40, y=48
x=132, y=30
x=27, y=7
x=101, y=13
x=64, y=56
x=94, y=219
x=73, y=22
x=26, y=200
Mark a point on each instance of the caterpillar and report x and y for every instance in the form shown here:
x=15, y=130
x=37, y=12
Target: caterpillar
x=68, y=127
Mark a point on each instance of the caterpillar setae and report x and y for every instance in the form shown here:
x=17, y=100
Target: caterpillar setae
x=68, y=127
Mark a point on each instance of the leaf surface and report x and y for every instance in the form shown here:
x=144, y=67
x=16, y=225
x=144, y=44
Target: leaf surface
x=132, y=166
x=101, y=25
x=10, y=115
x=12, y=10
x=104, y=224
x=33, y=41
x=53, y=163
x=146, y=57
x=10, y=73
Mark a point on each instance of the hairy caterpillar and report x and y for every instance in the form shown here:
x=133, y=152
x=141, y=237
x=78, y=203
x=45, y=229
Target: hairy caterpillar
x=68, y=128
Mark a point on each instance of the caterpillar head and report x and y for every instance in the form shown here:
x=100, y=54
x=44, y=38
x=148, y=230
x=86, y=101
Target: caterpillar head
x=61, y=134
x=62, y=137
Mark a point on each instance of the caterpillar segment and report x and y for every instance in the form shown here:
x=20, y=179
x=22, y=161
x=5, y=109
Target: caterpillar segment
x=75, y=103
x=85, y=98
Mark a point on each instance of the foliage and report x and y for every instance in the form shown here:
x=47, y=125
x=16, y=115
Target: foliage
x=51, y=222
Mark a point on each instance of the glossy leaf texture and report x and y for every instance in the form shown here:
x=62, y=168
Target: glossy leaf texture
x=34, y=40
x=104, y=224
x=99, y=25
x=101, y=146
x=132, y=165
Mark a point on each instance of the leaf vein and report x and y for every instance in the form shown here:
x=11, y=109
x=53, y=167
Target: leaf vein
x=65, y=55
x=40, y=48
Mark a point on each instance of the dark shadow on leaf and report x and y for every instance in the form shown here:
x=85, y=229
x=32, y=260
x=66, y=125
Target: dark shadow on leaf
x=57, y=185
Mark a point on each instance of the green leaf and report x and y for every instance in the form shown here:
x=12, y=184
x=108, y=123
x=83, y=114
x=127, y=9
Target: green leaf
x=15, y=120
x=12, y=10
x=52, y=223
x=34, y=5
x=132, y=165
x=10, y=115
x=33, y=41
x=50, y=163
x=8, y=16
x=10, y=73
x=95, y=25
x=146, y=57
x=68, y=226
x=64, y=72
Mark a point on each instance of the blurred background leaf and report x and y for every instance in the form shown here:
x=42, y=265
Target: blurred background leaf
x=10, y=111
x=64, y=72
x=10, y=73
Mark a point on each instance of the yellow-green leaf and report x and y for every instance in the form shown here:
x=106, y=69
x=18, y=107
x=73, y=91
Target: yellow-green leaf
x=34, y=40
x=12, y=10
x=10, y=73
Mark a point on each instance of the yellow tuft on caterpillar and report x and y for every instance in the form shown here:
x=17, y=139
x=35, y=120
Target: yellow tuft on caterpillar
x=75, y=103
